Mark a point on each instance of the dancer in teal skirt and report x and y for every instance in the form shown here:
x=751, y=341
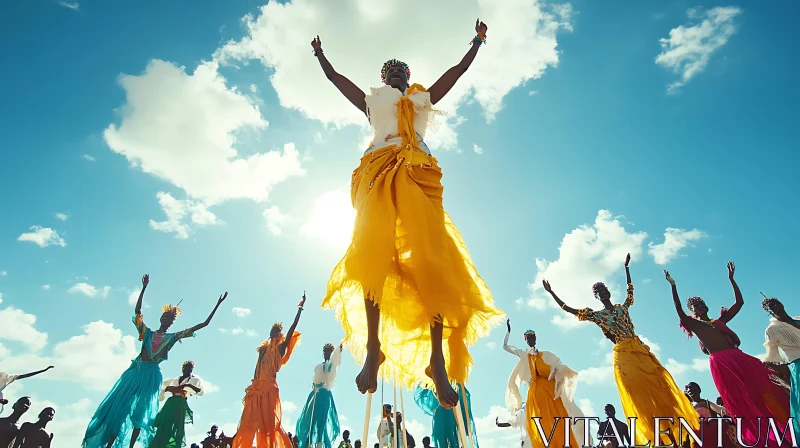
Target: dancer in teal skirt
x=444, y=430
x=783, y=335
x=318, y=425
x=132, y=404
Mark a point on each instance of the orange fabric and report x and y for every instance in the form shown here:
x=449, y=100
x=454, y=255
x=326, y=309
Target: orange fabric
x=543, y=404
x=262, y=413
x=408, y=257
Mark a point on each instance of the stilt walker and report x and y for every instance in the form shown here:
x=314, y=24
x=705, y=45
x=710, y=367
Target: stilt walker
x=170, y=424
x=444, y=426
x=407, y=283
x=318, y=425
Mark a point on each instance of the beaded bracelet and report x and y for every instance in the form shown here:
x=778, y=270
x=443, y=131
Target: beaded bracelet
x=479, y=39
x=318, y=52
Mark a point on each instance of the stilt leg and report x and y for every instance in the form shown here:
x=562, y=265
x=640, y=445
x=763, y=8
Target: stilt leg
x=403, y=412
x=462, y=435
x=366, y=418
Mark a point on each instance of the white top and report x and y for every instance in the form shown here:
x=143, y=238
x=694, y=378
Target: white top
x=325, y=373
x=780, y=335
x=193, y=380
x=565, y=378
x=382, y=114
x=5, y=380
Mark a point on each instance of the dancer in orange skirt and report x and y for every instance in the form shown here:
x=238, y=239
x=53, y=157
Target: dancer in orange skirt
x=407, y=283
x=261, y=417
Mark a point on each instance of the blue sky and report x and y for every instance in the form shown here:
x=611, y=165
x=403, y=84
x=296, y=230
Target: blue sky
x=568, y=142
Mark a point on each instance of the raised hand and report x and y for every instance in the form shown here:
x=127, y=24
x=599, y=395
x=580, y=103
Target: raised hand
x=222, y=298
x=546, y=286
x=316, y=43
x=49, y=367
x=508, y=325
x=303, y=302
x=731, y=269
x=145, y=280
x=480, y=27
x=669, y=277
x=627, y=260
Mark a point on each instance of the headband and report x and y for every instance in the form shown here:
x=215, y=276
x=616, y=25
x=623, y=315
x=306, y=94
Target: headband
x=389, y=64
x=525, y=335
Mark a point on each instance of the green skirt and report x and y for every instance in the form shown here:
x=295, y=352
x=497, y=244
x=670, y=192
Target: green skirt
x=169, y=424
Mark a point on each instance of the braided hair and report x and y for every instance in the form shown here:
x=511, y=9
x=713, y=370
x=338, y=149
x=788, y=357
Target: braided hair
x=391, y=63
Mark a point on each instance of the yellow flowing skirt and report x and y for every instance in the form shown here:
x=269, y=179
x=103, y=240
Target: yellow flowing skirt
x=647, y=390
x=542, y=403
x=407, y=256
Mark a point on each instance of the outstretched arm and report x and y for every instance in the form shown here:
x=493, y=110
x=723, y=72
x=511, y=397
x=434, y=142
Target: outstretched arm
x=506, y=347
x=28, y=375
x=350, y=91
x=737, y=306
x=628, y=269
x=686, y=320
x=560, y=302
x=290, y=333
x=446, y=82
x=205, y=323
x=145, y=282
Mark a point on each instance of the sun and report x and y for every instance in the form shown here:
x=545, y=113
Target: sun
x=331, y=219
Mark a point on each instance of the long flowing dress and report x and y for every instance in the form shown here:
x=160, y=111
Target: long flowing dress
x=170, y=424
x=646, y=389
x=262, y=413
x=444, y=430
x=785, y=338
x=551, y=390
x=406, y=255
x=318, y=425
x=133, y=401
x=746, y=388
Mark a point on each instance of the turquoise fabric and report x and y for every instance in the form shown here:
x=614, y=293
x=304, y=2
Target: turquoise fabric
x=318, y=425
x=444, y=432
x=794, y=399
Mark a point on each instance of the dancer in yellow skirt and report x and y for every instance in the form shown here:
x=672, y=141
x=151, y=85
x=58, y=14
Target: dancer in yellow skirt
x=646, y=389
x=551, y=388
x=407, y=282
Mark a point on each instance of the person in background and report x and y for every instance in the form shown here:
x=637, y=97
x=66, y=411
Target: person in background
x=8, y=425
x=212, y=441
x=357, y=444
x=606, y=433
x=426, y=442
x=34, y=435
x=410, y=443
x=345, y=443
x=783, y=350
x=171, y=421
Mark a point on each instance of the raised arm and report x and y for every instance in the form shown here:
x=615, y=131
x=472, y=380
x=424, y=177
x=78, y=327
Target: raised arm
x=350, y=91
x=290, y=333
x=28, y=375
x=737, y=306
x=506, y=347
x=501, y=425
x=145, y=282
x=205, y=323
x=446, y=82
x=560, y=302
x=628, y=269
x=686, y=320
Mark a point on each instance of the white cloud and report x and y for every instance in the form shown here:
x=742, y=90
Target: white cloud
x=587, y=407
x=45, y=287
x=18, y=326
x=3, y=273
x=253, y=88
x=478, y=150
x=70, y=5
x=522, y=35
x=94, y=359
x=237, y=330
x=655, y=348
x=251, y=333
x=674, y=241
x=688, y=49
x=133, y=297
x=275, y=220
x=183, y=128
x=491, y=345
x=61, y=216
x=43, y=237
x=89, y=158
x=332, y=218
x=588, y=254
x=241, y=312
x=89, y=290
x=208, y=386
x=177, y=211
x=602, y=374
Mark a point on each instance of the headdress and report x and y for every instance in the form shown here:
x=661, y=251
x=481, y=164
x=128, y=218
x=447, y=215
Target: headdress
x=328, y=346
x=277, y=325
x=597, y=287
x=392, y=62
x=174, y=310
x=768, y=303
x=191, y=363
x=525, y=335
x=693, y=302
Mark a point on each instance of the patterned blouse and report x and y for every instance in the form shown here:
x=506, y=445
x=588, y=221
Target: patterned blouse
x=616, y=322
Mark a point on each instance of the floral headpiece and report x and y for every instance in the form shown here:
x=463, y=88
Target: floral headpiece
x=693, y=302
x=597, y=287
x=768, y=303
x=174, y=310
x=278, y=325
x=328, y=346
x=529, y=332
x=188, y=363
x=389, y=64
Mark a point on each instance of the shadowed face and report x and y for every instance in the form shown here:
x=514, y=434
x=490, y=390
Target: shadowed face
x=387, y=410
x=214, y=430
x=167, y=319
x=47, y=414
x=426, y=441
x=776, y=308
x=275, y=332
x=326, y=353
x=610, y=411
x=692, y=390
x=699, y=307
x=397, y=77
x=603, y=293
x=22, y=405
x=188, y=369
x=357, y=444
x=530, y=338
x=346, y=435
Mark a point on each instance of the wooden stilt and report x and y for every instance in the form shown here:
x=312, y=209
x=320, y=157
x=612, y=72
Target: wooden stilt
x=366, y=418
x=394, y=423
x=403, y=413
